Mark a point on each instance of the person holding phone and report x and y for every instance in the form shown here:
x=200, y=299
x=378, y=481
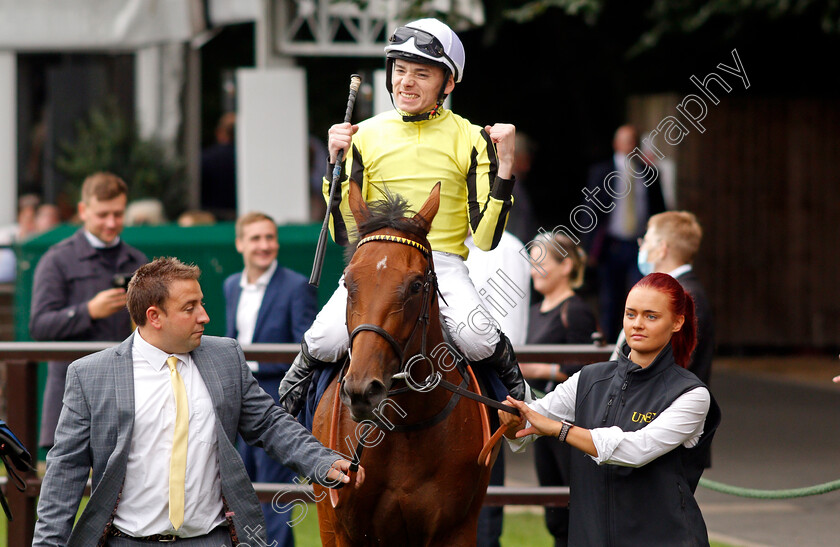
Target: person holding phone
x=79, y=289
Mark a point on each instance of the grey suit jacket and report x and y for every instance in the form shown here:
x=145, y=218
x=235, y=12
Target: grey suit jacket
x=95, y=432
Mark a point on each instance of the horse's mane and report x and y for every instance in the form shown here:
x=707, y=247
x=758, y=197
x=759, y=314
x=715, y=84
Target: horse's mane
x=392, y=211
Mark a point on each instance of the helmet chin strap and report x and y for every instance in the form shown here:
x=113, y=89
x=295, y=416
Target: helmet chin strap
x=419, y=117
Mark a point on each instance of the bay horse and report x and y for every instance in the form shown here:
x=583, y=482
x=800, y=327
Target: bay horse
x=419, y=446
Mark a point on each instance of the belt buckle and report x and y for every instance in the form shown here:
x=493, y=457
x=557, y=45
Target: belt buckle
x=168, y=538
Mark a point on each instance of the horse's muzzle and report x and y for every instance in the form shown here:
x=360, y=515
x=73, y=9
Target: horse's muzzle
x=362, y=397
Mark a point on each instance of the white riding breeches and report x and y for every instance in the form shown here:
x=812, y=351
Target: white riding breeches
x=473, y=329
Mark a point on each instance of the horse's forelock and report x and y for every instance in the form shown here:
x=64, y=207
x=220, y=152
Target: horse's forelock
x=390, y=212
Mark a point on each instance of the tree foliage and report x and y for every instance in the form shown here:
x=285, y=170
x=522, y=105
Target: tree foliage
x=107, y=141
x=685, y=17
x=661, y=18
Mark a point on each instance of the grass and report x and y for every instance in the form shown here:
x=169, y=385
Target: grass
x=525, y=529
x=520, y=530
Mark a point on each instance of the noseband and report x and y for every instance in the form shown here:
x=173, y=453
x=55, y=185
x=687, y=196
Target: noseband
x=430, y=287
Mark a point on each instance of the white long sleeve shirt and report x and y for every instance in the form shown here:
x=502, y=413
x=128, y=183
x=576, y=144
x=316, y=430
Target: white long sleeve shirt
x=681, y=423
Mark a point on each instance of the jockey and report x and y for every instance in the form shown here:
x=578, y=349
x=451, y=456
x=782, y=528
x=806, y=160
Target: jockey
x=407, y=151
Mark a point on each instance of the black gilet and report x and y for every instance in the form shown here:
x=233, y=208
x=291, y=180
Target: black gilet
x=613, y=505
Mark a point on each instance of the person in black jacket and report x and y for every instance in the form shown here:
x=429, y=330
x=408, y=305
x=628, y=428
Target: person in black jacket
x=562, y=317
x=642, y=426
x=669, y=246
x=624, y=193
x=79, y=288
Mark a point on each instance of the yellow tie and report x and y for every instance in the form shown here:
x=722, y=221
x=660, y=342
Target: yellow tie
x=178, y=462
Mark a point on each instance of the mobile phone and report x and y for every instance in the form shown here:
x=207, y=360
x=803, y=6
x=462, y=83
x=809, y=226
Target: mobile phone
x=120, y=280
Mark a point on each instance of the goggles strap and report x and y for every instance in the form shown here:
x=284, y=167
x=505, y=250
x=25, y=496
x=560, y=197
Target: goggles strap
x=438, y=52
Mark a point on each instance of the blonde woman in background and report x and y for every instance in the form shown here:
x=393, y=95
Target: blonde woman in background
x=562, y=317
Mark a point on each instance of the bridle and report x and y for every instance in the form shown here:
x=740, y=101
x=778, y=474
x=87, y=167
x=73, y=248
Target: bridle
x=430, y=286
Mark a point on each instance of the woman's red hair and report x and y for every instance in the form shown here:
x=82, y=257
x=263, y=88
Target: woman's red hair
x=684, y=340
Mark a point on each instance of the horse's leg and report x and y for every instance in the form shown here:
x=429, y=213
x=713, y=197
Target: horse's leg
x=464, y=536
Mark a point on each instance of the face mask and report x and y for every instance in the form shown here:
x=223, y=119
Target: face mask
x=644, y=266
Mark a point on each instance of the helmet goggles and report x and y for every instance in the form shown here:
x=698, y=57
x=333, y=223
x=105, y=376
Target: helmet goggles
x=424, y=42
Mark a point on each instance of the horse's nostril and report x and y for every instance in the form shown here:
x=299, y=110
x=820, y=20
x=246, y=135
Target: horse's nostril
x=375, y=391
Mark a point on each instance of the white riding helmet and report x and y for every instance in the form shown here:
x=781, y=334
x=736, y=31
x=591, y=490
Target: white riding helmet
x=427, y=41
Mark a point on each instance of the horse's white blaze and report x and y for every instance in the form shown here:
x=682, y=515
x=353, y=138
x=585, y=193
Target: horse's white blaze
x=382, y=264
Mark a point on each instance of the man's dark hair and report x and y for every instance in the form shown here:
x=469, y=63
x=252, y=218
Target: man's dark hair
x=150, y=285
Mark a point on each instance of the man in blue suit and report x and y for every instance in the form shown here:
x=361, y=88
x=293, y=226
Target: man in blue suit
x=617, y=189
x=267, y=303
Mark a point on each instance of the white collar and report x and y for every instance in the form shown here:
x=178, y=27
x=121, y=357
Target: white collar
x=262, y=281
x=155, y=356
x=679, y=270
x=97, y=243
x=620, y=160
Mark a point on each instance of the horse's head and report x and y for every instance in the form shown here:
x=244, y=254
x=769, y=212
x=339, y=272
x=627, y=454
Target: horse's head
x=390, y=289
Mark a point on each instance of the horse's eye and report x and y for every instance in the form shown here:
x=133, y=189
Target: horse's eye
x=416, y=287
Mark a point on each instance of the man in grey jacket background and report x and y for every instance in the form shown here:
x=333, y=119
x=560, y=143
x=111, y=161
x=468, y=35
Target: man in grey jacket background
x=74, y=296
x=123, y=408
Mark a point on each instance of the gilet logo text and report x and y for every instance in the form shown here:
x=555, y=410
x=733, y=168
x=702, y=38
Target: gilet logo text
x=643, y=417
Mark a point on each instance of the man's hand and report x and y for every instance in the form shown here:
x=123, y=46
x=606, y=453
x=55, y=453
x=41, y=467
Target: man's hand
x=106, y=303
x=340, y=469
x=340, y=136
x=503, y=136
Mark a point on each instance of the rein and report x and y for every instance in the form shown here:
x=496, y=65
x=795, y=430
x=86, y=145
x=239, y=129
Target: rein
x=429, y=283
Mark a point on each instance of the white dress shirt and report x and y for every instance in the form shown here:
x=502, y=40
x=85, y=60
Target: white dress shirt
x=680, y=423
x=250, y=301
x=143, y=509
x=97, y=243
x=638, y=193
x=502, y=278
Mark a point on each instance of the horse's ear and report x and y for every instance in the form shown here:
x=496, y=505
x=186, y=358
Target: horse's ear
x=427, y=212
x=357, y=205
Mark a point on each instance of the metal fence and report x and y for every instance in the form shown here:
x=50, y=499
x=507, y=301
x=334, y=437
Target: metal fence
x=22, y=360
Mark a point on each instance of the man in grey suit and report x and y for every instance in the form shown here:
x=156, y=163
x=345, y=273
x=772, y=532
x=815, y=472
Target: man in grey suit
x=123, y=410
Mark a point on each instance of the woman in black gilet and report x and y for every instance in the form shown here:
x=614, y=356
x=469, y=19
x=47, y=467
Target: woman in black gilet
x=640, y=425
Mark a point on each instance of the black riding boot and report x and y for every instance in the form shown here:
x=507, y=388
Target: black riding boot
x=295, y=383
x=503, y=361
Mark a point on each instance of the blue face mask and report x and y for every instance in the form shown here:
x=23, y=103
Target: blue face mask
x=644, y=266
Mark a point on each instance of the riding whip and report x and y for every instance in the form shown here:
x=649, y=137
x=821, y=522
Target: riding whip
x=321, y=249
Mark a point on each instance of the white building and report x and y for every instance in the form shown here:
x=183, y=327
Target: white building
x=60, y=57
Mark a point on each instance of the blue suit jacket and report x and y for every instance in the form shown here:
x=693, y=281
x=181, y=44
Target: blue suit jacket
x=287, y=311
x=594, y=240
